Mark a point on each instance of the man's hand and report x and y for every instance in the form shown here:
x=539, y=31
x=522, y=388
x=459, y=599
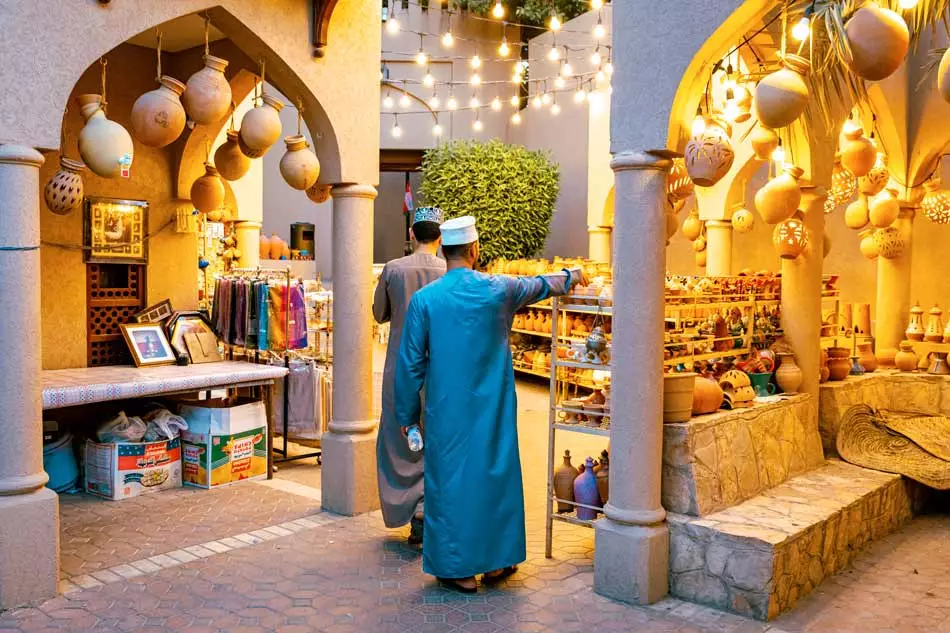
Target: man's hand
x=578, y=277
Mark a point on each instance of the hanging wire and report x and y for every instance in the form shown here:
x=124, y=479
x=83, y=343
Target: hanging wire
x=207, y=34
x=72, y=246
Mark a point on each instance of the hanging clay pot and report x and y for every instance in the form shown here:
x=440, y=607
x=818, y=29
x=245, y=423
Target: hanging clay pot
x=868, y=247
x=858, y=153
x=678, y=184
x=790, y=238
x=709, y=155
x=230, y=161
x=692, y=225
x=701, y=259
x=103, y=144
x=878, y=39
x=64, y=191
x=260, y=127
x=856, y=216
x=889, y=243
x=781, y=97
x=318, y=193
x=788, y=376
x=299, y=166
x=265, y=247
x=936, y=203
x=873, y=182
x=843, y=186
x=207, y=97
x=780, y=197
x=707, y=396
x=207, y=192
x=158, y=117
x=884, y=209
x=564, y=476
x=742, y=220
x=943, y=76
x=906, y=359
x=585, y=491
x=699, y=244
x=764, y=141
x=603, y=478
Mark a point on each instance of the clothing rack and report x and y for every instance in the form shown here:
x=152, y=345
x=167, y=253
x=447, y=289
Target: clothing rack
x=285, y=275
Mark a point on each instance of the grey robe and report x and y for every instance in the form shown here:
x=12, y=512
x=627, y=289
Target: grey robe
x=399, y=469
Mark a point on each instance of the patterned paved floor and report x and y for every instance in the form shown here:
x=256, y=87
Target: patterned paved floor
x=243, y=559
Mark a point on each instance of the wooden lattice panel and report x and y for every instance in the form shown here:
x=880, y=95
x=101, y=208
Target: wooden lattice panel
x=114, y=294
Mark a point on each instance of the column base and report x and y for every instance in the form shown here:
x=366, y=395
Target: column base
x=631, y=562
x=348, y=475
x=29, y=548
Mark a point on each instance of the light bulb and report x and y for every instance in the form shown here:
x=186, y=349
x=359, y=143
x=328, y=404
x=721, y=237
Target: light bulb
x=404, y=101
x=422, y=58
x=516, y=118
x=731, y=110
x=452, y=103
x=546, y=98
x=555, y=23
x=498, y=11
x=609, y=69
x=516, y=78
x=801, y=30
x=504, y=49
x=436, y=130
x=474, y=102
x=397, y=131
x=536, y=102
x=392, y=26
x=554, y=54
x=559, y=83
x=596, y=4
x=477, y=125
x=600, y=76
x=428, y=80
x=476, y=61
x=448, y=40
x=850, y=126
x=699, y=125
x=519, y=69
x=515, y=101
x=778, y=155
x=908, y=4
x=580, y=95
x=476, y=79
x=595, y=58
x=435, y=102
x=600, y=31
x=555, y=109
x=566, y=70
x=387, y=102
x=496, y=104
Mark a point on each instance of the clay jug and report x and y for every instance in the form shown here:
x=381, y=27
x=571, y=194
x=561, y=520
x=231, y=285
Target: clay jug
x=299, y=166
x=207, y=192
x=839, y=363
x=709, y=155
x=546, y=326
x=585, y=491
x=207, y=97
x=889, y=242
x=260, y=127
x=318, y=193
x=943, y=76
x=788, y=376
x=884, y=209
x=780, y=197
x=64, y=191
x=230, y=161
x=866, y=357
x=906, y=359
x=603, y=478
x=934, y=331
x=878, y=39
x=858, y=154
x=781, y=97
x=103, y=144
x=867, y=246
x=265, y=247
x=564, y=476
x=857, y=214
x=764, y=141
x=874, y=182
x=692, y=225
x=707, y=396
x=158, y=117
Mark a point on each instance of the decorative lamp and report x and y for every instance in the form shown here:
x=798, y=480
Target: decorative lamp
x=709, y=154
x=742, y=220
x=843, y=186
x=889, y=242
x=678, y=184
x=936, y=203
x=874, y=182
x=790, y=237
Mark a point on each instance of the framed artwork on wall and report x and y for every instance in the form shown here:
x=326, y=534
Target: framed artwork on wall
x=148, y=344
x=114, y=231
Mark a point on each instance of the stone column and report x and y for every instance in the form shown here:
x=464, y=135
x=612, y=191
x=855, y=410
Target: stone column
x=599, y=239
x=349, y=448
x=632, y=544
x=29, y=512
x=718, y=248
x=801, y=293
x=893, y=293
x=248, y=235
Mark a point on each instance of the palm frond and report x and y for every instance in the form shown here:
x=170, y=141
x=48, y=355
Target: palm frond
x=933, y=61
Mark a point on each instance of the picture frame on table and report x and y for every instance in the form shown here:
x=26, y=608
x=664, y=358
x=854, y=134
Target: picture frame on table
x=188, y=322
x=148, y=344
x=158, y=313
x=114, y=231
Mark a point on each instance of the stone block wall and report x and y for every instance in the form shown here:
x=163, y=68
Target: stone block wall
x=715, y=461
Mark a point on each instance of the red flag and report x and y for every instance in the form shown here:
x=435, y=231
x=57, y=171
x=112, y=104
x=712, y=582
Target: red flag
x=407, y=199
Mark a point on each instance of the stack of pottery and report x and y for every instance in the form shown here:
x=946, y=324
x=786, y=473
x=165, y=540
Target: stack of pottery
x=789, y=374
x=678, y=396
x=564, y=476
x=905, y=359
x=839, y=363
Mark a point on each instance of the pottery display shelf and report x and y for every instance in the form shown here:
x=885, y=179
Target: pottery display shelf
x=835, y=330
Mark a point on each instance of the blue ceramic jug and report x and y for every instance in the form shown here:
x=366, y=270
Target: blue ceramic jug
x=585, y=491
x=760, y=382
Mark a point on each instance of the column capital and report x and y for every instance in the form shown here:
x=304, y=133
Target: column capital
x=719, y=224
x=354, y=191
x=248, y=224
x=599, y=229
x=23, y=484
x=11, y=153
x=630, y=160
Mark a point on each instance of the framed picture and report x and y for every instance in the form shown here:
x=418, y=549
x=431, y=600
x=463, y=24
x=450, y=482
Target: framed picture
x=182, y=323
x=148, y=344
x=158, y=313
x=114, y=231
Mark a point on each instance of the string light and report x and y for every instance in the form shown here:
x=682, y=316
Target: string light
x=600, y=76
x=778, y=154
x=499, y=10
x=555, y=22
x=559, y=82
x=566, y=69
x=580, y=95
x=387, y=101
x=437, y=129
x=595, y=58
x=801, y=30
x=596, y=5
x=609, y=68
x=515, y=101
x=421, y=57
x=392, y=25
x=404, y=101
x=477, y=124
x=447, y=39
x=908, y=4
x=435, y=102
x=476, y=79
x=452, y=104
x=554, y=54
x=555, y=109
x=536, y=103
x=476, y=61
x=428, y=81
x=546, y=98
x=600, y=31
x=699, y=126
x=516, y=118
x=474, y=102
x=496, y=104
x=396, y=131
x=503, y=48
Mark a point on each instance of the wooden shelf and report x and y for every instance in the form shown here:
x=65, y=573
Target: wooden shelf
x=575, y=365
x=580, y=428
x=708, y=356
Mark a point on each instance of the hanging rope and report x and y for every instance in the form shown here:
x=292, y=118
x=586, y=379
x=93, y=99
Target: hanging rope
x=207, y=34
x=233, y=107
x=103, y=62
x=208, y=152
x=263, y=78
x=784, y=28
x=62, y=133
x=158, y=54
x=299, y=117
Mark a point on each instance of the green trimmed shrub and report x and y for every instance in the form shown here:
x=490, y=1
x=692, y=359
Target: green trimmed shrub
x=510, y=190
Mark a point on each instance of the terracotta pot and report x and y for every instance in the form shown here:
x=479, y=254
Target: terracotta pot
x=764, y=141
x=701, y=259
x=699, y=244
x=299, y=166
x=867, y=246
x=260, y=127
x=318, y=193
x=265, y=247
x=709, y=156
x=603, y=478
x=934, y=331
x=230, y=161
x=158, y=117
x=874, y=182
x=906, y=359
x=788, y=376
x=692, y=226
x=103, y=144
x=843, y=186
x=878, y=39
x=936, y=203
x=858, y=154
x=943, y=76
x=938, y=364
x=915, y=326
x=781, y=97
x=884, y=209
x=678, y=396
x=780, y=197
x=585, y=491
x=839, y=363
x=790, y=238
x=247, y=151
x=889, y=243
x=207, y=192
x=707, y=396
x=742, y=220
x=866, y=357
x=64, y=191
x=678, y=183
x=885, y=357
x=564, y=476
x=857, y=215
x=207, y=97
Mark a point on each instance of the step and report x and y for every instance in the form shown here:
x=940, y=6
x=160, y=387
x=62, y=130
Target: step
x=760, y=557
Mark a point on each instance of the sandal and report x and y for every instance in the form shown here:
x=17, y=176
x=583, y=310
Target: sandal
x=500, y=574
x=456, y=584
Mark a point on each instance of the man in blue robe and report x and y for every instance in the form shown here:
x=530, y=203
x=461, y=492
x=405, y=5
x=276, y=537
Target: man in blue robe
x=455, y=344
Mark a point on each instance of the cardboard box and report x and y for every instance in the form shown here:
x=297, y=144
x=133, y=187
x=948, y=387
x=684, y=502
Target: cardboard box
x=226, y=441
x=120, y=471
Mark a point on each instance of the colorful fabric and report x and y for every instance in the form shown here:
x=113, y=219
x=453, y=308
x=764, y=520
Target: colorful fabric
x=263, y=318
x=297, y=337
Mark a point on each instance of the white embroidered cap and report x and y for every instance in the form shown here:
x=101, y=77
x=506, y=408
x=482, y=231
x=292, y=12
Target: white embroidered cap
x=458, y=231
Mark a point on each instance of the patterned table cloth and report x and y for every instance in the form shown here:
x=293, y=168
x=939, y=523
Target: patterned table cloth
x=71, y=387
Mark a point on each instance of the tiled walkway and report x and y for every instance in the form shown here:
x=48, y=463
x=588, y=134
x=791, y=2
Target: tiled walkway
x=256, y=558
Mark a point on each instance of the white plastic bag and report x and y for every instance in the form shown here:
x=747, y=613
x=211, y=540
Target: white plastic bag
x=122, y=429
x=163, y=425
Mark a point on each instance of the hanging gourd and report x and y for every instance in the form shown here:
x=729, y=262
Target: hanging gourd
x=889, y=242
x=701, y=259
x=207, y=95
x=318, y=193
x=936, y=203
x=873, y=182
x=679, y=186
x=780, y=197
x=867, y=246
x=781, y=97
x=858, y=153
x=207, y=192
x=843, y=186
x=699, y=244
x=299, y=166
x=856, y=215
x=790, y=237
x=742, y=220
x=692, y=225
x=943, y=76
x=884, y=209
x=743, y=103
x=764, y=141
x=230, y=161
x=878, y=39
x=158, y=117
x=260, y=127
x=709, y=154
x=105, y=146
x=64, y=191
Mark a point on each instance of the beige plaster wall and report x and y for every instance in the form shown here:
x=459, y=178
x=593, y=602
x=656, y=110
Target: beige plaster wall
x=172, y=264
